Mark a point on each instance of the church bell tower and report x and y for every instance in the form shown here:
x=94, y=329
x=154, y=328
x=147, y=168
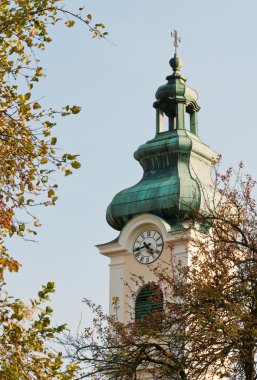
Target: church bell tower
x=149, y=215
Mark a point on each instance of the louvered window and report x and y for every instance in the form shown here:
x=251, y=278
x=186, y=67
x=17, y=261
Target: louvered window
x=148, y=301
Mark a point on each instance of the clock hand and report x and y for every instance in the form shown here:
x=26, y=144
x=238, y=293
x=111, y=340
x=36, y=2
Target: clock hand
x=137, y=249
x=147, y=246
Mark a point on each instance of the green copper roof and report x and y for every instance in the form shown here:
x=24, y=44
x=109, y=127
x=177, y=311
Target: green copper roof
x=176, y=163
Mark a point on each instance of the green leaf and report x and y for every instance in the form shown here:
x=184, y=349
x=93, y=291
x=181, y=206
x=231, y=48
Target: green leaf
x=75, y=109
x=22, y=227
x=30, y=201
x=71, y=156
x=70, y=23
x=50, y=286
x=68, y=172
x=75, y=165
x=36, y=106
x=41, y=294
x=100, y=25
x=53, y=141
x=51, y=193
x=27, y=96
x=48, y=124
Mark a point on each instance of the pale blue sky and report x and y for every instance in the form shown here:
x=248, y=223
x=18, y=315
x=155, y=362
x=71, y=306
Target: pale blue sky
x=116, y=84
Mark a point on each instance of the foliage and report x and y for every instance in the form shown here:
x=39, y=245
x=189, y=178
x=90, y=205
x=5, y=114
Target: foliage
x=28, y=157
x=25, y=329
x=28, y=153
x=208, y=326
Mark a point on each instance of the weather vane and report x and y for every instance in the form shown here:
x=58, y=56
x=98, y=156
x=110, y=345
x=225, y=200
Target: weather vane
x=177, y=39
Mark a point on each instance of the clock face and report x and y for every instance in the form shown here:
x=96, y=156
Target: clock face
x=148, y=247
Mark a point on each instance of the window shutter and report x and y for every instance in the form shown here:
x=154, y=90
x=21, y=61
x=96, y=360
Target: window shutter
x=148, y=301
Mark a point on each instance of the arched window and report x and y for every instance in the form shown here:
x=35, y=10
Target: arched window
x=149, y=300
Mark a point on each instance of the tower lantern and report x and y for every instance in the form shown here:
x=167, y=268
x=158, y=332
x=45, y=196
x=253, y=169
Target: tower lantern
x=176, y=100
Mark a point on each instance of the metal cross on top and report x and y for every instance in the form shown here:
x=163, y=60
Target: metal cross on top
x=177, y=39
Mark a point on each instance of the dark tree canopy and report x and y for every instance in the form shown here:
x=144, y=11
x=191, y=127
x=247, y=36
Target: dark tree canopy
x=208, y=323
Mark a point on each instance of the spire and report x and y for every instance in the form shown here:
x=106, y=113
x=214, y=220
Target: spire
x=176, y=62
x=177, y=39
x=175, y=162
